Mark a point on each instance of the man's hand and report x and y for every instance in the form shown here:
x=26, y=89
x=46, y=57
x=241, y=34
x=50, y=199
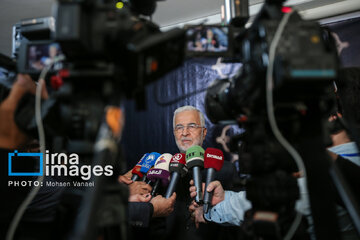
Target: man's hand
x=135, y=188
x=163, y=207
x=10, y=135
x=140, y=198
x=138, y=187
x=197, y=213
x=128, y=174
x=218, y=195
x=124, y=179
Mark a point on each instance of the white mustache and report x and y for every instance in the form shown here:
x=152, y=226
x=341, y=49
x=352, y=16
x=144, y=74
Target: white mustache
x=186, y=139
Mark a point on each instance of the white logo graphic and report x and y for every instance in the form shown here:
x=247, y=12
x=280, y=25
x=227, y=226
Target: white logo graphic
x=214, y=156
x=155, y=172
x=177, y=157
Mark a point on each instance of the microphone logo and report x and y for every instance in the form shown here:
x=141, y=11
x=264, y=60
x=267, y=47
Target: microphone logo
x=161, y=160
x=176, y=157
x=155, y=172
x=192, y=154
x=214, y=156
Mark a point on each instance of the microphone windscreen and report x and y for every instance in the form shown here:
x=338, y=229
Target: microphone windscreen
x=148, y=162
x=163, y=161
x=177, y=164
x=140, y=162
x=214, y=158
x=161, y=170
x=178, y=158
x=195, y=157
x=136, y=169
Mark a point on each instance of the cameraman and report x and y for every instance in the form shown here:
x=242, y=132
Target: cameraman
x=39, y=221
x=12, y=138
x=229, y=207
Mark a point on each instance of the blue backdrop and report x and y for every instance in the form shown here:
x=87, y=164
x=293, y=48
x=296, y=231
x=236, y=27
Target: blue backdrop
x=151, y=130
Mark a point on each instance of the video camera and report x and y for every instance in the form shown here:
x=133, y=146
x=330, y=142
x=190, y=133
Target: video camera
x=99, y=37
x=109, y=51
x=95, y=52
x=303, y=57
x=286, y=81
x=95, y=33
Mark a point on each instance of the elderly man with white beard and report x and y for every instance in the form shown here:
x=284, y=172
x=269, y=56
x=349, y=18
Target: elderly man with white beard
x=189, y=130
x=189, y=127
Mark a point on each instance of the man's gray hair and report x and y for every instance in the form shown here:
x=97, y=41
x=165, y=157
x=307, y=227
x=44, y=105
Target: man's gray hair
x=189, y=108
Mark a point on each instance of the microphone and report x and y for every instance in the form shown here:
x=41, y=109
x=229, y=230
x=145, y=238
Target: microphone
x=213, y=161
x=177, y=169
x=160, y=172
x=195, y=161
x=136, y=174
x=148, y=163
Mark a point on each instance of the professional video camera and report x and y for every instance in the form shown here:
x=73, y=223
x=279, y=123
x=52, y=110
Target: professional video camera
x=98, y=52
x=284, y=88
x=109, y=52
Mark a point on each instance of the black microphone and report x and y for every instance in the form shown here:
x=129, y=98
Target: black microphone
x=213, y=161
x=177, y=169
x=195, y=161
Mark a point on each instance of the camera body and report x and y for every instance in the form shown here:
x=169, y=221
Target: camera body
x=96, y=33
x=302, y=70
x=109, y=52
x=302, y=59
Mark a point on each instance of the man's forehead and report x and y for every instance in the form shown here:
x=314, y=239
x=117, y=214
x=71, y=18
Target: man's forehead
x=190, y=116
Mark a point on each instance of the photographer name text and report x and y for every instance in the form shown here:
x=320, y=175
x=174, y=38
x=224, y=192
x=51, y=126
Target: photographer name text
x=50, y=184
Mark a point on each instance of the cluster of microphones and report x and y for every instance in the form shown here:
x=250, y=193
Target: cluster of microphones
x=165, y=170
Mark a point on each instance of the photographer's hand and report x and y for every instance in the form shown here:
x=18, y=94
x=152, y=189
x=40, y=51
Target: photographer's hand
x=10, y=135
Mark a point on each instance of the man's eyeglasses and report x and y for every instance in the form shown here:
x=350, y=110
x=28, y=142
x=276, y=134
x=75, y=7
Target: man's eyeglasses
x=190, y=127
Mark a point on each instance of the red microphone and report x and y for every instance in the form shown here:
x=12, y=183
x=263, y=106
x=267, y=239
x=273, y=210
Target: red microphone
x=178, y=169
x=213, y=161
x=136, y=174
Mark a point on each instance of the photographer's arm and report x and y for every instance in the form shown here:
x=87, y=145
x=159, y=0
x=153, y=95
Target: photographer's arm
x=12, y=138
x=10, y=135
x=228, y=207
x=230, y=211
